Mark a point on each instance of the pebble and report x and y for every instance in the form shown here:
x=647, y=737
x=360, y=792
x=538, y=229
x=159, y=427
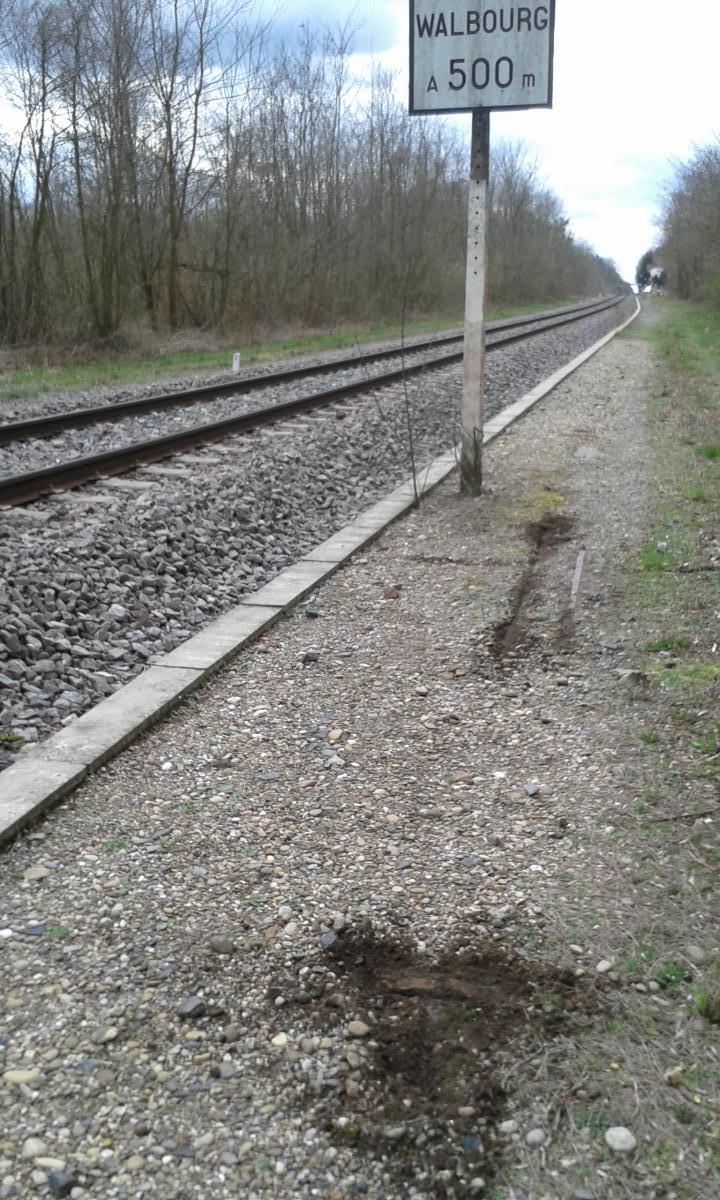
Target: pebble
x=535, y=1138
x=194, y=1006
x=280, y=1040
x=394, y=1133
x=205, y=1140
x=620, y=1139
x=34, y=874
x=221, y=945
x=33, y=1148
x=29, y=1075
x=605, y=965
x=696, y=954
x=531, y=788
x=357, y=1029
x=61, y=1183
x=507, y=1127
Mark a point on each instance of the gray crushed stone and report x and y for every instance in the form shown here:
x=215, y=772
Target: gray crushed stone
x=98, y=583
x=163, y=1033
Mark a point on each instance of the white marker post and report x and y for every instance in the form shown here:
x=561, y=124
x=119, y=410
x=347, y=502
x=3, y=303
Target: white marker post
x=474, y=57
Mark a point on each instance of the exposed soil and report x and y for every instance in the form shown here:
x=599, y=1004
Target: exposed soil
x=438, y=1028
x=516, y=631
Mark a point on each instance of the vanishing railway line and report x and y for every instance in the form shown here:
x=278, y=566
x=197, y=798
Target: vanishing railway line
x=102, y=581
x=418, y=356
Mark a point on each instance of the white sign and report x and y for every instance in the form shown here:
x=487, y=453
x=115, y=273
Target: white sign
x=480, y=54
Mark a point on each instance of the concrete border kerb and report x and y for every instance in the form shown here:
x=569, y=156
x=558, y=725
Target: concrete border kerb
x=47, y=774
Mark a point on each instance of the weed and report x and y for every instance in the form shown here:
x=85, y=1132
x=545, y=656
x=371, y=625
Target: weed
x=707, y=1005
x=650, y=737
x=669, y=975
x=637, y=964
x=673, y=642
x=651, y=559
x=596, y=1123
x=710, y=452
x=663, y=1159
x=688, y=676
x=57, y=932
x=9, y=739
x=113, y=844
x=707, y=743
x=695, y=1076
x=684, y=718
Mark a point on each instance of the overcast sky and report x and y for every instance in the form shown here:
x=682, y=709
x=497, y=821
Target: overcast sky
x=637, y=83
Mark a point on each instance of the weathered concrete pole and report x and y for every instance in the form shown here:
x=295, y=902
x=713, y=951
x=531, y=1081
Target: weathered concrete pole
x=475, y=288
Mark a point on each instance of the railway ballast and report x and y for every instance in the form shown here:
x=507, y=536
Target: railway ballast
x=100, y=581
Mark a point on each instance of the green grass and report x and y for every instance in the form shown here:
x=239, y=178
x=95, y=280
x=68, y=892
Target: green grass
x=671, y=642
x=57, y=932
x=689, y=676
x=596, y=1123
x=670, y=975
x=118, y=843
x=116, y=370
x=707, y=1005
x=651, y=559
x=650, y=737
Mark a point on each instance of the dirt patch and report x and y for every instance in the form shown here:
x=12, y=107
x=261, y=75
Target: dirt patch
x=430, y=1099
x=515, y=632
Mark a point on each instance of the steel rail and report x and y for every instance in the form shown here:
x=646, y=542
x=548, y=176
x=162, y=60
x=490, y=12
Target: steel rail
x=23, y=488
x=51, y=423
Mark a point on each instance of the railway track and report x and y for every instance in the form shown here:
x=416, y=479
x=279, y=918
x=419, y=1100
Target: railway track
x=98, y=582
x=27, y=486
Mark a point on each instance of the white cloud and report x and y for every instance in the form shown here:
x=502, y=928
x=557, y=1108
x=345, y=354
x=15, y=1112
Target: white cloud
x=636, y=85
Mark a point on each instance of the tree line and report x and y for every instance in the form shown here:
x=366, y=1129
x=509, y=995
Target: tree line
x=170, y=164
x=689, y=246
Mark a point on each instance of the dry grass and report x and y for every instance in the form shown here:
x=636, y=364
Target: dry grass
x=649, y=1059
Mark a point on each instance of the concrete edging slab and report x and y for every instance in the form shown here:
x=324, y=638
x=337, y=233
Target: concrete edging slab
x=48, y=773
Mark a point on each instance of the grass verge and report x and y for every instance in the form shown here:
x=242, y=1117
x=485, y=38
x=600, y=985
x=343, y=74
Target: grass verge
x=54, y=370
x=649, y=1059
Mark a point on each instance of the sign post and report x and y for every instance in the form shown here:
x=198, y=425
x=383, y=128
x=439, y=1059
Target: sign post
x=471, y=422
x=475, y=57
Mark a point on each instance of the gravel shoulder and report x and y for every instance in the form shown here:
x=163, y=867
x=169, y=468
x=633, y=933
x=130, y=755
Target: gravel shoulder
x=376, y=913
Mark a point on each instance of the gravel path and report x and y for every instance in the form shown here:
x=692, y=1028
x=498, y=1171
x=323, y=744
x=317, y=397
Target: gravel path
x=251, y=957
x=99, y=582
